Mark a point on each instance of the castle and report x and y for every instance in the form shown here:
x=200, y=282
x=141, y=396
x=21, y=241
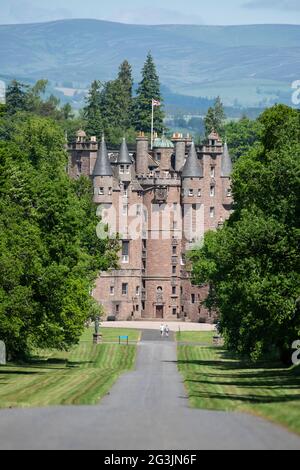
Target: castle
x=160, y=201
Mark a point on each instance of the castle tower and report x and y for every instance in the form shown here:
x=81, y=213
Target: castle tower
x=163, y=150
x=102, y=177
x=192, y=196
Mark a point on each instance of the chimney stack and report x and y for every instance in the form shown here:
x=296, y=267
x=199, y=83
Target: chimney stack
x=142, y=148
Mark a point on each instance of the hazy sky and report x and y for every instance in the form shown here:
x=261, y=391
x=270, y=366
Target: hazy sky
x=154, y=11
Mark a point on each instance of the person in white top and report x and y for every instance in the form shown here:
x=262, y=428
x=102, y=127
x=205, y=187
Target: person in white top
x=162, y=330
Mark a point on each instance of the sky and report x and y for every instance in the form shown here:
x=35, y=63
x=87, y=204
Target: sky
x=212, y=12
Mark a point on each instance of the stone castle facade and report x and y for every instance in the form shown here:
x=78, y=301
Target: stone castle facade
x=160, y=202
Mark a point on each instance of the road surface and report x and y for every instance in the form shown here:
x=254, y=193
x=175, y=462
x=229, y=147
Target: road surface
x=146, y=409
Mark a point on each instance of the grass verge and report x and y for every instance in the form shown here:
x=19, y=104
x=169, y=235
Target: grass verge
x=79, y=377
x=196, y=337
x=216, y=380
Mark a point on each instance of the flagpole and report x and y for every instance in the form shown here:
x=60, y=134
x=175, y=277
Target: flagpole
x=152, y=125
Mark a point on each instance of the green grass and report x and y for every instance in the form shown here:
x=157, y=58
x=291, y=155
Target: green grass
x=215, y=380
x=196, y=336
x=79, y=377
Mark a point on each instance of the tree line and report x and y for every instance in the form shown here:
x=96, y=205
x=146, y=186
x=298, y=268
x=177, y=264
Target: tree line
x=116, y=109
x=252, y=263
x=50, y=255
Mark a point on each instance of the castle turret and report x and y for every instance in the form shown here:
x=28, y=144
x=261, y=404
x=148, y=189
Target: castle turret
x=124, y=163
x=103, y=176
x=192, y=168
x=142, y=158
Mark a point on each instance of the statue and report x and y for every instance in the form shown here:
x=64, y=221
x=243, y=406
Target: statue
x=97, y=335
x=97, y=325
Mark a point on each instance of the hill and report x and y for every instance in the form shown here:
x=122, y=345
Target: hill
x=245, y=63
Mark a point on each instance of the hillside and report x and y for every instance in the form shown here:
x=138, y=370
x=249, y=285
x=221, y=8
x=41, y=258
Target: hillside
x=248, y=63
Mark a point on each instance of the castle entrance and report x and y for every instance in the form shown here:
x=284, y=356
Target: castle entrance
x=159, y=311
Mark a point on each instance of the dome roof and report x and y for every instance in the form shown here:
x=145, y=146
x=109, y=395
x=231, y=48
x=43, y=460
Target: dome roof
x=163, y=142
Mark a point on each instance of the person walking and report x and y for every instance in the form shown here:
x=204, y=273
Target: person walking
x=162, y=330
x=167, y=331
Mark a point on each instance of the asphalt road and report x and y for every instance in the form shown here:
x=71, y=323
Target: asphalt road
x=146, y=409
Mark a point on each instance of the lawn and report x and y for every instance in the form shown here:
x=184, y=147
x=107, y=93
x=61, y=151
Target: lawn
x=196, y=337
x=215, y=380
x=79, y=377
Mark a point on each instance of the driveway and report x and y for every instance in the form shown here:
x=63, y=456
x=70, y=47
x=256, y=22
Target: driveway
x=146, y=409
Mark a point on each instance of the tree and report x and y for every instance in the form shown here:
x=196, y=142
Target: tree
x=92, y=111
x=50, y=254
x=252, y=263
x=241, y=136
x=148, y=89
x=215, y=118
x=16, y=99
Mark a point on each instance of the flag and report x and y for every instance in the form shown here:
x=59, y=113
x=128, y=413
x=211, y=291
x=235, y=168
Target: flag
x=156, y=103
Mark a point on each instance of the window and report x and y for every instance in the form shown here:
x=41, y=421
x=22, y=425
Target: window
x=191, y=192
x=175, y=225
x=125, y=209
x=138, y=209
x=112, y=290
x=181, y=290
x=174, y=290
x=212, y=171
x=124, y=289
x=174, y=250
x=109, y=191
x=158, y=157
x=212, y=212
x=193, y=298
x=125, y=189
x=159, y=290
x=101, y=191
x=212, y=191
x=122, y=169
x=174, y=311
x=137, y=308
x=137, y=290
x=127, y=169
x=125, y=252
x=229, y=193
x=117, y=308
x=199, y=193
x=174, y=270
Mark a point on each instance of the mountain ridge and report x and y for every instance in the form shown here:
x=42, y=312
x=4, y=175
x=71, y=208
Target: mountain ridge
x=251, y=62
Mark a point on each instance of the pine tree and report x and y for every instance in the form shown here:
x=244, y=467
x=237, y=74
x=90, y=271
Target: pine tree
x=215, y=118
x=16, y=97
x=148, y=89
x=126, y=83
x=92, y=111
x=116, y=101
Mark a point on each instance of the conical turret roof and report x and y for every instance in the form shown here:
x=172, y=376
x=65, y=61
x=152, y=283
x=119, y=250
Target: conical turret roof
x=102, y=166
x=124, y=157
x=192, y=168
x=226, y=165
